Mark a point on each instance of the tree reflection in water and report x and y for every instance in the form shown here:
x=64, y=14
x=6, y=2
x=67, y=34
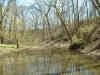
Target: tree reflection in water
x=52, y=64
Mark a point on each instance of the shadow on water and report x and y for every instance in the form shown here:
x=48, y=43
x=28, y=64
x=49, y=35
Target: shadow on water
x=66, y=63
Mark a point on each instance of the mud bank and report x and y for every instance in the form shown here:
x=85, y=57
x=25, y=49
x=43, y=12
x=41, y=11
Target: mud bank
x=92, y=49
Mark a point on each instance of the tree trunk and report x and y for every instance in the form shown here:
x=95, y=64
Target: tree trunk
x=15, y=30
x=96, y=4
x=1, y=28
x=49, y=28
x=64, y=25
x=43, y=32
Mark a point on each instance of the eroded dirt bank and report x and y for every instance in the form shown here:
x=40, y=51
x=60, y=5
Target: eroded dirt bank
x=92, y=49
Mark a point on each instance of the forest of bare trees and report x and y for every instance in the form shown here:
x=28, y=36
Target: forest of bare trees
x=54, y=19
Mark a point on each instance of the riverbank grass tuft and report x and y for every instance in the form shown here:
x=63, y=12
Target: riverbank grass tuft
x=5, y=47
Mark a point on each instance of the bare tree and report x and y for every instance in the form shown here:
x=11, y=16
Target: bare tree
x=60, y=15
x=3, y=12
x=46, y=13
x=96, y=4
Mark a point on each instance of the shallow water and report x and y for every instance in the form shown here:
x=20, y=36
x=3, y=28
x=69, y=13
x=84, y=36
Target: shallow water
x=66, y=63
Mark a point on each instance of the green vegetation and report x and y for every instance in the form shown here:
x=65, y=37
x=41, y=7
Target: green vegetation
x=5, y=47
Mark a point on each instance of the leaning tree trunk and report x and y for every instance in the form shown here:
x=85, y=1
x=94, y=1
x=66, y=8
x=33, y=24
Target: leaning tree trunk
x=68, y=33
x=96, y=4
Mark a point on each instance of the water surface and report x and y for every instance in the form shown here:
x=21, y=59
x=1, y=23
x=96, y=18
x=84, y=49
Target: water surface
x=56, y=63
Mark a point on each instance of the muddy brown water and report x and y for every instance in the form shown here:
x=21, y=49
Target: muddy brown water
x=55, y=63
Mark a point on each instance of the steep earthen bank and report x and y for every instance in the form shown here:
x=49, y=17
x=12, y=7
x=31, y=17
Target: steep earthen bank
x=92, y=49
